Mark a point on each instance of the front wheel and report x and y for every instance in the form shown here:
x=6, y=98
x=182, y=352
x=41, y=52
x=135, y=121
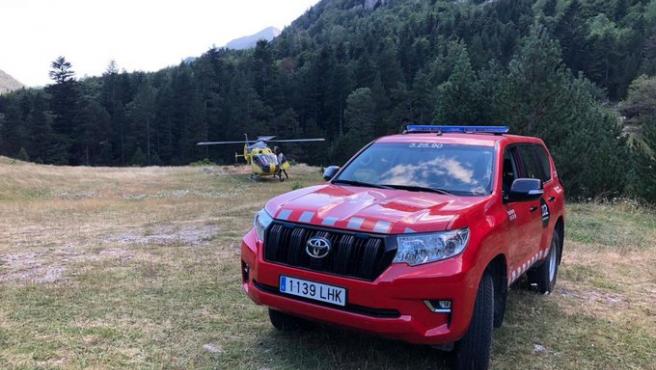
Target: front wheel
x=544, y=276
x=472, y=352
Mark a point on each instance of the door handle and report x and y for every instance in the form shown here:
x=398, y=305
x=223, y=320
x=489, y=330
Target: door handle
x=552, y=198
x=533, y=209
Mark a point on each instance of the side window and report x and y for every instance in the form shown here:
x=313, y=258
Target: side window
x=510, y=172
x=531, y=163
x=544, y=162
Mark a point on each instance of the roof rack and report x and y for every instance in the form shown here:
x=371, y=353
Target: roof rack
x=443, y=129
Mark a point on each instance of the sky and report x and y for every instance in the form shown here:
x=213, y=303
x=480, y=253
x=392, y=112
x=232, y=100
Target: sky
x=144, y=35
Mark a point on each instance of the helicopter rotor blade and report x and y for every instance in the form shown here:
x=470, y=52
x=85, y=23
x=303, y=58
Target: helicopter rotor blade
x=265, y=139
x=297, y=140
x=206, y=143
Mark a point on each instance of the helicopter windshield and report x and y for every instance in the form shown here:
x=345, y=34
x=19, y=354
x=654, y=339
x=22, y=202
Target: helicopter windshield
x=265, y=158
x=447, y=168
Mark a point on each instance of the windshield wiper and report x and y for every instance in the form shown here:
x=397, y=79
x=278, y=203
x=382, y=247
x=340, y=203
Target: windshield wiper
x=360, y=183
x=418, y=188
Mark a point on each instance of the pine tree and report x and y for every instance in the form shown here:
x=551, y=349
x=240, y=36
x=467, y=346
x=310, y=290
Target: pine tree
x=262, y=68
x=621, y=10
x=648, y=63
x=141, y=114
x=388, y=65
x=360, y=113
x=360, y=116
x=44, y=144
x=12, y=128
x=93, y=134
x=138, y=158
x=340, y=86
x=64, y=100
x=210, y=74
x=643, y=182
x=571, y=32
x=22, y=155
x=459, y=96
x=365, y=71
x=380, y=121
x=64, y=95
x=422, y=103
x=549, y=8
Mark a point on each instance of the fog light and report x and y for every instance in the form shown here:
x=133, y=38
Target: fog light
x=438, y=306
x=444, y=304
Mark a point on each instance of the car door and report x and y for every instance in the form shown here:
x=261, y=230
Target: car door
x=532, y=167
x=524, y=226
x=548, y=201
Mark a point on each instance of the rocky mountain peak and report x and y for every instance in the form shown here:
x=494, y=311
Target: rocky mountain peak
x=8, y=83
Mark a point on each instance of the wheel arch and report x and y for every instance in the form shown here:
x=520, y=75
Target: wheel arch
x=498, y=268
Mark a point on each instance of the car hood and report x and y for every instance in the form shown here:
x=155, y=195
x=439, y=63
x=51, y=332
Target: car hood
x=372, y=210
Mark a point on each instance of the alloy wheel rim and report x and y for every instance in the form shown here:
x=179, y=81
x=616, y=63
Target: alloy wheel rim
x=552, y=262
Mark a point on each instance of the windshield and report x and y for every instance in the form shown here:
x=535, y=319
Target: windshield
x=448, y=168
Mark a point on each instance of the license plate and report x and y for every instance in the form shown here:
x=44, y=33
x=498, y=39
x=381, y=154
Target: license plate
x=311, y=290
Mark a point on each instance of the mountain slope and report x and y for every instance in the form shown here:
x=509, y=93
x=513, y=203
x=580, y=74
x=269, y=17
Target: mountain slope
x=8, y=83
x=250, y=41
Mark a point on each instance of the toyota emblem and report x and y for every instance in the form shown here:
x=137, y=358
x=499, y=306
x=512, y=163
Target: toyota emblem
x=317, y=247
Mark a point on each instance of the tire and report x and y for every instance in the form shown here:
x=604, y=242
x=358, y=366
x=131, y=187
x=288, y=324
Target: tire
x=285, y=322
x=544, y=276
x=500, y=297
x=472, y=352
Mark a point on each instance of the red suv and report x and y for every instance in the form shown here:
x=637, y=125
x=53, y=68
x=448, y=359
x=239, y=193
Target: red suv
x=416, y=238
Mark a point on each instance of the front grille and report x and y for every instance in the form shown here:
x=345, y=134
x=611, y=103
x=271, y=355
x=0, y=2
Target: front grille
x=359, y=255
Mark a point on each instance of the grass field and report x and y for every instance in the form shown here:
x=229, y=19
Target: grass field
x=139, y=268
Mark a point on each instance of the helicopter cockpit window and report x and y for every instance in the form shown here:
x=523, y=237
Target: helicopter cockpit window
x=457, y=169
x=264, y=159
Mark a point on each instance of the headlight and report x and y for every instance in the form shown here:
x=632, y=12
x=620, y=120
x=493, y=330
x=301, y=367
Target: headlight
x=261, y=222
x=417, y=249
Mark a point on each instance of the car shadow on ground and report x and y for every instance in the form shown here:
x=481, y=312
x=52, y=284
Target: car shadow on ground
x=327, y=347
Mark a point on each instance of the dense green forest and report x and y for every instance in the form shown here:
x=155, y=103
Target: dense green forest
x=578, y=73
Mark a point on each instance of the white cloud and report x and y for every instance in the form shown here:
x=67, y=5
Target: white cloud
x=138, y=34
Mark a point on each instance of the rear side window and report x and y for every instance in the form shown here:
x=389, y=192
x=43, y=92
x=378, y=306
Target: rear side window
x=544, y=161
x=535, y=162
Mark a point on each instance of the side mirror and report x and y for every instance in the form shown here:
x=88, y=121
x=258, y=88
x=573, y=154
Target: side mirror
x=525, y=189
x=330, y=172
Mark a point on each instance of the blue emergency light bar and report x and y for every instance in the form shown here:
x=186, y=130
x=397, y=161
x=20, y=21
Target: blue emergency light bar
x=456, y=129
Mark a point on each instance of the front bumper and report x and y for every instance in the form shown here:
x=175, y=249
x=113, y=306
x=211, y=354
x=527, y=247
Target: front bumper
x=392, y=305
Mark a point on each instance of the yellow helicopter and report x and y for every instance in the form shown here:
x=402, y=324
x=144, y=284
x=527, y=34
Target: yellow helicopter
x=263, y=161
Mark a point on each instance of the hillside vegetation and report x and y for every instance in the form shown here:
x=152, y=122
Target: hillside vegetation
x=139, y=268
x=352, y=70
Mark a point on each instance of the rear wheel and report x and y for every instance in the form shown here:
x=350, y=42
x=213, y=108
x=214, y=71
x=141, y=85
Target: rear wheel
x=472, y=352
x=545, y=275
x=285, y=322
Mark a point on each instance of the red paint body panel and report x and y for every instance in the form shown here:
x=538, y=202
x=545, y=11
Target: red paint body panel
x=522, y=241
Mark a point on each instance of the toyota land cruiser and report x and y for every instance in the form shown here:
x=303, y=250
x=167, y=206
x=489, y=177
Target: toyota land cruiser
x=417, y=237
